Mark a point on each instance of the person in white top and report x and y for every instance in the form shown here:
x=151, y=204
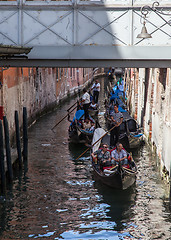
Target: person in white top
x=86, y=102
x=96, y=90
x=93, y=105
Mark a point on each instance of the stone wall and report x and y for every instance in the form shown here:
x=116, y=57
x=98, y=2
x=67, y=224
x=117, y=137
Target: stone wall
x=38, y=89
x=149, y=101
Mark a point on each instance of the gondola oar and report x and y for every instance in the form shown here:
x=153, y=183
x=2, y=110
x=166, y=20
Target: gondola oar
x=112, y=168
x=63, y=118
x=96, y=142
x=72, y=106
x=129, y=170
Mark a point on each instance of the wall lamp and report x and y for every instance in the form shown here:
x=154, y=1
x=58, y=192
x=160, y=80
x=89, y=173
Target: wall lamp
x=145, y=10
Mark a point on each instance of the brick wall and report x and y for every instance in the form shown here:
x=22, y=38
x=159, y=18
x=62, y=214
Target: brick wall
x=151, y=106
x=38, y=89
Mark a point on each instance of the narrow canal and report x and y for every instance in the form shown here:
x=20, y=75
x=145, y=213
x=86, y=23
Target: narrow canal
x=56, y=197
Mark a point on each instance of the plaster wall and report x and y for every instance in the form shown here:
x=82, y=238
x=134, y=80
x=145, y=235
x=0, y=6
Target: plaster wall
x=38, y=89
x=153, y=107
x=34, y=89
x=140, y=95
x=166, y=146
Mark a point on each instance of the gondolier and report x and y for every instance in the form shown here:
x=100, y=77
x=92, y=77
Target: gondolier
x=116, y=118
x=96, y=90
x=85, y=102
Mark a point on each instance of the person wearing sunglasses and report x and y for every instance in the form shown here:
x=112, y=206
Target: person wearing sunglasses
x=103, y=157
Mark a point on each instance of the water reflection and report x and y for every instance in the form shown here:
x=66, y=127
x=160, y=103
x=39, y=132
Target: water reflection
x=114, y=198
x=56, y=196
x=76, y=150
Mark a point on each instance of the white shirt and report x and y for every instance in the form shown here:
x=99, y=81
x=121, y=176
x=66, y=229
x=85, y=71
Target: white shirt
x=93, y=105
x=96, y=87
x=86, y=97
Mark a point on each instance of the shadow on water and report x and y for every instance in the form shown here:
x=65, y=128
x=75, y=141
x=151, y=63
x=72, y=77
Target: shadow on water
x=120, y=202
x=77, y=149
x=7, y=202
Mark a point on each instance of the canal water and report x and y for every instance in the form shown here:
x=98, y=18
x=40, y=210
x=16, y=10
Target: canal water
x=56, y=197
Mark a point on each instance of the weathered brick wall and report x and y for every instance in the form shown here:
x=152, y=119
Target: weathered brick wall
x=161, y=120
x=151, y=106
x=38, y=89
x=30, y=87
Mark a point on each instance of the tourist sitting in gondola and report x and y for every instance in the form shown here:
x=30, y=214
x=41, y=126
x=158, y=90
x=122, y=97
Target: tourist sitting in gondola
x=119, y=155
x=93, y=109
x=102, y=157
x=86, y=124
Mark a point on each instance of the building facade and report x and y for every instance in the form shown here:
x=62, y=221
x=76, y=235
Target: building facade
x=37, y=89
x=149, y=101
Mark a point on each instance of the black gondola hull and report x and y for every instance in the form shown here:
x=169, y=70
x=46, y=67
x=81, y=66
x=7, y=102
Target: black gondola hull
x=116, y=180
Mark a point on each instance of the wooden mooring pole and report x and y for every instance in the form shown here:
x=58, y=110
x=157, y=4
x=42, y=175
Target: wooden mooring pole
x=8, y=149
x=18, y=144
x=2, y=165
x=25, y=135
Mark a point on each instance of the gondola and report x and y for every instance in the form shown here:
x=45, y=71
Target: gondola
x=120, y=177
x=116, y=96
x=134, y=132
x=76, y=133
x=131, y=134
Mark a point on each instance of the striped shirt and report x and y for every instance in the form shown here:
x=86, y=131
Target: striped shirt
x=117, y=116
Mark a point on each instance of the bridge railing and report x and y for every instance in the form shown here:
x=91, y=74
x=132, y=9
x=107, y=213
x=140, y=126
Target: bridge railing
x=84, y=29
